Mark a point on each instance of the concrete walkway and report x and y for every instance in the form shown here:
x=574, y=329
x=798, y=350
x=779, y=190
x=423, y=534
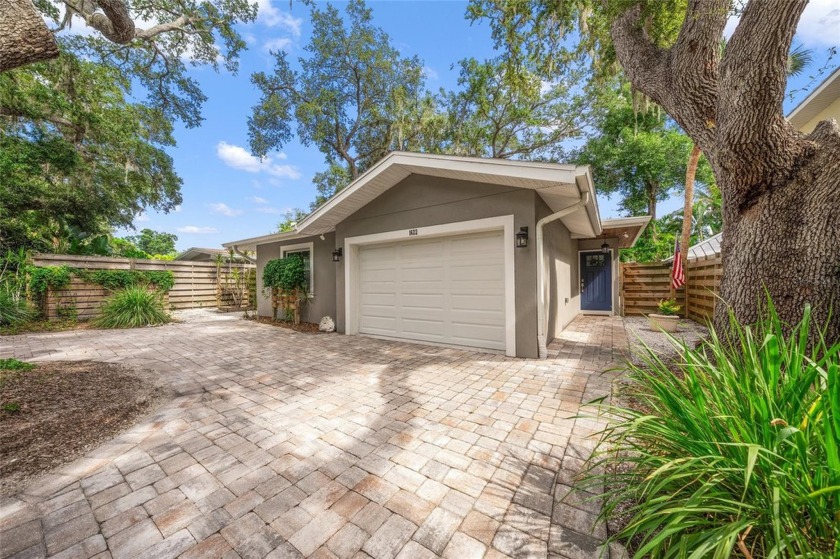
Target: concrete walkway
x=281, y=444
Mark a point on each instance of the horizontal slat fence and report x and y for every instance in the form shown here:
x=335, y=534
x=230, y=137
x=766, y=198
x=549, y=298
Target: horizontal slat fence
x=644, y=285
x=195, y=283
x=702, y=278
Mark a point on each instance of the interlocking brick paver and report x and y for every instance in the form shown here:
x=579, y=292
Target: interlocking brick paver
x=283, y=445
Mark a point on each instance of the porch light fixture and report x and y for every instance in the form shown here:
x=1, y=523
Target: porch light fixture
x=522, y=238
x=336, y=254
x=605, y=248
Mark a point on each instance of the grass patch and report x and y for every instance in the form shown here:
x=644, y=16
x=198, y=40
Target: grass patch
x=133, y=307
x=15, y=365
x=736, y=453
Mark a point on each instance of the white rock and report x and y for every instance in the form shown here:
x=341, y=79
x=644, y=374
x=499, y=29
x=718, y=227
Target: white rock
x=327, y=324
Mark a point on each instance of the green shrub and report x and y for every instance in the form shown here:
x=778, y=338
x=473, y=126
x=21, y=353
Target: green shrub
x=132, y=307
x=14, y=310
x=738, y=451
x=114, y=280
x=48, y=277
x=668, y=307
x=15, y=365
x=286, y=274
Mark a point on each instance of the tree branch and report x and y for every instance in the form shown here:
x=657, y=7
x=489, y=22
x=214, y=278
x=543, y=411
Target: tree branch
x=752, y=84
x=684, y=78
x=24, y=37
x=114, y=22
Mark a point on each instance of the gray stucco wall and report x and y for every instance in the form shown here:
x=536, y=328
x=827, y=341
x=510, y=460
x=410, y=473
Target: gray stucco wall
x=422, y=201
x=595, y=244
x=562, y=266
x=323, y=301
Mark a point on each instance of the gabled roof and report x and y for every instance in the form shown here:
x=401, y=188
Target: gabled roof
x=558, y=185
x=250, y=244
x=195, y=251
x=817, y=101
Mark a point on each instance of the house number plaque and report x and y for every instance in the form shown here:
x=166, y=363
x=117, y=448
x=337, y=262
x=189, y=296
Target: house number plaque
x=412, y=232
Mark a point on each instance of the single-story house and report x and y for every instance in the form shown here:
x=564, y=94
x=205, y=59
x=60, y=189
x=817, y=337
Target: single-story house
x=483, y=253
x=199, y=254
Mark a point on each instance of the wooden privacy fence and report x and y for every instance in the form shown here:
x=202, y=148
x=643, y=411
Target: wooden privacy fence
x=644, y=285
x=197, y=284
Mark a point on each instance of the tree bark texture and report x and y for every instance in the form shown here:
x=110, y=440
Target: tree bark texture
x=780, y=188
x=24, y=37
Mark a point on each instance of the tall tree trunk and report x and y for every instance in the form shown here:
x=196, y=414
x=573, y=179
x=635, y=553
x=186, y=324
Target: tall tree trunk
x=24, y=37
x=688, y=214
x=787, y=241
x=688, y=207
x=779, y=187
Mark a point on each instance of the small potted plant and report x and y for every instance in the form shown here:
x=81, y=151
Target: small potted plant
x=667, y=319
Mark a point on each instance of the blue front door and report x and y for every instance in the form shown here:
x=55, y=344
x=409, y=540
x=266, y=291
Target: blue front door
x=595, y=281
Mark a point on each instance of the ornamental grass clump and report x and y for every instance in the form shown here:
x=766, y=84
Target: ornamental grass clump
x=14, y=309
x=133, y=307
x=736, y=453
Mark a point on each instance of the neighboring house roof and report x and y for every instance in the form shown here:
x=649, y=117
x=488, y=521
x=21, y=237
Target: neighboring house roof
x=818, y=101
x=197, y=252
x=558, y=185
x=626, y=229
x=703, y=249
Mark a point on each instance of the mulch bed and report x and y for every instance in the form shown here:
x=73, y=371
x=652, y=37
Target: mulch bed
x=56, y=412
x=306, y=327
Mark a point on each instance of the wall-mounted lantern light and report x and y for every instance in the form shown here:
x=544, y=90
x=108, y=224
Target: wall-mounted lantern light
x=605, y=248
x=336, y=255
x=522, y=238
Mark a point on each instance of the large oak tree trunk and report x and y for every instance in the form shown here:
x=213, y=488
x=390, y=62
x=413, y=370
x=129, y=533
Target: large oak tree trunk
x=780, y=188
x=788, y=240
x=24, y=37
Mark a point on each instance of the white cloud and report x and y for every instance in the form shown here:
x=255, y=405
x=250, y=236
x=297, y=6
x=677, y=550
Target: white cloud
x=268, y=210
x=224, y=209
x=430, y=73
x=195, y=229
x=271, y=16
x=258, y=200
x=177, y=209
x=239, y=158
x=819, y=26
x=141, y=218
x=278, y=44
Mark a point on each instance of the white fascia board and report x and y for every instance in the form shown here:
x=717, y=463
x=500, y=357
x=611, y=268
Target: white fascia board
x=809, y=107
x=539, y=172
x=583, y=179
x=251, y=243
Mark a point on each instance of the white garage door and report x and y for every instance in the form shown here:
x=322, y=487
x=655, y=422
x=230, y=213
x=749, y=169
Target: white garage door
x=447, y=290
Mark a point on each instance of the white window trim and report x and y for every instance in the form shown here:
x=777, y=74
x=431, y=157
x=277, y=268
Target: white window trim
x=504, y=223
x=613, y=275
x=300, y=247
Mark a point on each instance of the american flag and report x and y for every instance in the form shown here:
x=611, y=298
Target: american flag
x=677, y=272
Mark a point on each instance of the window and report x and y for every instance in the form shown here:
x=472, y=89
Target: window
x=305, y=250
x=596, y=260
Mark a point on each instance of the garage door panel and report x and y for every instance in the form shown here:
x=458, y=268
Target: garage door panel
x=445, y=290
x=434, y=301
x=473, y=302
x=478, y=273
x=378, y=299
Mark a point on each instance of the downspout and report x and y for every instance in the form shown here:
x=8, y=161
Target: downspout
x=542, y=288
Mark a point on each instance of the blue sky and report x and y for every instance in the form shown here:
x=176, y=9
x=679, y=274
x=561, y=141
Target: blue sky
x=228, y=194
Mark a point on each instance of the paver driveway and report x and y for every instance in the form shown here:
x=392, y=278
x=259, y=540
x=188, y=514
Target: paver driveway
x=282, y=444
